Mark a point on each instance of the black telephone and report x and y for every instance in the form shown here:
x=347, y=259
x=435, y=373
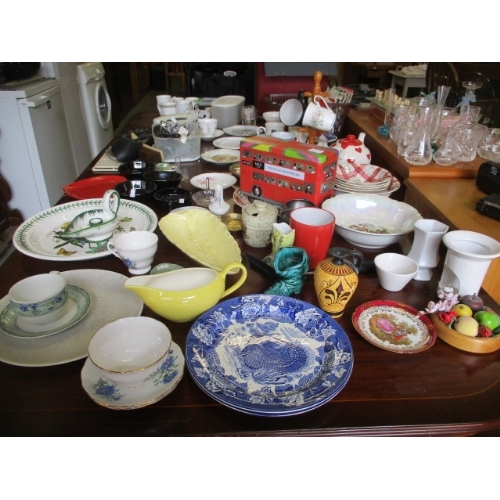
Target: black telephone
x=488, y=177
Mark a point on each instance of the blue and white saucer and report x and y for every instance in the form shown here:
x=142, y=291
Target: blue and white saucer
x=115, y=397
x=77, y=307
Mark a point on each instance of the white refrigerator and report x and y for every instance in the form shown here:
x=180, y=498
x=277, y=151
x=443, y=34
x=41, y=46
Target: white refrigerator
x=35, y=149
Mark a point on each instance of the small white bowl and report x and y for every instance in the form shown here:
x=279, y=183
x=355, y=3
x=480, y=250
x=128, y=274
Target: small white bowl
x=394, y=271
x=370, y=220
x=129, y=350
x=271, y=116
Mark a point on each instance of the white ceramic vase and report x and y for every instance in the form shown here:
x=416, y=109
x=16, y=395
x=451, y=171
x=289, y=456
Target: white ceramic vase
x=467, y=260
x=428, y=234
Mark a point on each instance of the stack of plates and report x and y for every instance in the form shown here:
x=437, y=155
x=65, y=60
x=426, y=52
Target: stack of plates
x=354, y=178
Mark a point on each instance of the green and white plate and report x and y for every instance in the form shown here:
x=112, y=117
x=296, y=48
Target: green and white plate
x=77, y=307
x=38, y=236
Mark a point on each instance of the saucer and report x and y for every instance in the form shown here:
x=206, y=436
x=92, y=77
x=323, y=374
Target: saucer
x=77, y=307
x=218, y=133
x=115, y=397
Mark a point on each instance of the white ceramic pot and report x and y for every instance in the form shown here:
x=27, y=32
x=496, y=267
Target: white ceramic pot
x=353, y=150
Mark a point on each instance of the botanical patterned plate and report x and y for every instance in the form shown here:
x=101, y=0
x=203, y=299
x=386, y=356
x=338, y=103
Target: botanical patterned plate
x=221, y=156
x=269, y=355
x=228, y=143
x=394, y=326
x=241, y=130
x=38, y=236
x=208, y=181
x=110, y=301
x=77, y=306
x=160, y=384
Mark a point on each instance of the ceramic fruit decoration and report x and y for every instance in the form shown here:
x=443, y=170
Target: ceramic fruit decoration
x=463, y=317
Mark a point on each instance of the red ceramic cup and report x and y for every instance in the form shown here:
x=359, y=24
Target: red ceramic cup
x=313, y=232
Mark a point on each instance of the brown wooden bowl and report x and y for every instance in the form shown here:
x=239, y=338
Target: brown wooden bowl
x=478, y=345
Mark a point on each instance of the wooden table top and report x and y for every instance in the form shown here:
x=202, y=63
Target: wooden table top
x=440, y=391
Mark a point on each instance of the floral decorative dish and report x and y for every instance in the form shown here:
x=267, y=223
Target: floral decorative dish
x=394, y=326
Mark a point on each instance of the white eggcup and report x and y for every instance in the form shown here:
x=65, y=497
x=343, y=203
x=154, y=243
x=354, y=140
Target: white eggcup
x=394, y=271
x=40, y=299
x=136, y=249
x=129, y=350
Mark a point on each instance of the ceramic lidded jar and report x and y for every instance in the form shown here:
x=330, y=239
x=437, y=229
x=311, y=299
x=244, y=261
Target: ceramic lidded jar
x=353, y=150
x=258, y=219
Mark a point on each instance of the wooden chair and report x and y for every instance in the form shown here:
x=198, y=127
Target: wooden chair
x=444, y=73
x=175, y=70
x=485, y=98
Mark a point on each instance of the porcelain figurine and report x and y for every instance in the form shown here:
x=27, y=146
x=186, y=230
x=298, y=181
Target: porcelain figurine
x=291, y=265
x=336, y=279
x=96, y=225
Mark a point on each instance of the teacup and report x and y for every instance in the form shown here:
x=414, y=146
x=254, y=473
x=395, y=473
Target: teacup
x=394, y=270
x=194, y=101
x=39, y=300
x=183, y=106
x=128, y=351
x=208, y=126
x=318, y=117
x=136, y=249
x=168, y=108
x=163, y=99
x=184, y=294
x=271, y=127
x=285, y=136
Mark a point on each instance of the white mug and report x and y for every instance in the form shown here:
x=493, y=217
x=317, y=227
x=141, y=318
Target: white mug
x=136, y=249
x=208, y=126
x=318, y=117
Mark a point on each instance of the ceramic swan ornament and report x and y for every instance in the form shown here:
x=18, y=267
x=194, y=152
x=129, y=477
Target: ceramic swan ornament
x=97, y=224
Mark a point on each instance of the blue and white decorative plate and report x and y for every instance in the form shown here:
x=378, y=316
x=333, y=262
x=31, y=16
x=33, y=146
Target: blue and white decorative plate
x=269, y=355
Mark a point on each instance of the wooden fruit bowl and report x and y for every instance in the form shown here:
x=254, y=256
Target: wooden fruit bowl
x=477, y=345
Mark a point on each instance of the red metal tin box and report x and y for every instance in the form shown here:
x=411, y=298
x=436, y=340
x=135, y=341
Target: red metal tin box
x=276, y=170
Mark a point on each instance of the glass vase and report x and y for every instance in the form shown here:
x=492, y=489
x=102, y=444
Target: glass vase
x=419, y=151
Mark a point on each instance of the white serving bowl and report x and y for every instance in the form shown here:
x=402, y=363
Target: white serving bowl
x=129, y=350
x=374, y=212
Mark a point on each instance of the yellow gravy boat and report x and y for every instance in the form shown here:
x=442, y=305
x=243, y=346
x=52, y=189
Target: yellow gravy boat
x=184, y=294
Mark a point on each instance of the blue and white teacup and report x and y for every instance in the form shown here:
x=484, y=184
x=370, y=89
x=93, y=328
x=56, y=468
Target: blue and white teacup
x=39, y=300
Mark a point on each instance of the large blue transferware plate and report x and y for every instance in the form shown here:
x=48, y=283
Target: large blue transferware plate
x=269, y=355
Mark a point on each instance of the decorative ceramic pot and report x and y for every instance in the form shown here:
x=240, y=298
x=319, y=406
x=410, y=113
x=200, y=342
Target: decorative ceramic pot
x=336, y=280
x=258, y=219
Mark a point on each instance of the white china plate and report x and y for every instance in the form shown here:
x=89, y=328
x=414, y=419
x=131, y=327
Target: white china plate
x=110, y=301
x=218, y=133
x=241, y=130
x=36, y=237
x=221, y=156
x=201, y=236
x=77, y=307
x=110, y=395
x=269, y=355
x=225, y=180
x=228, y=143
